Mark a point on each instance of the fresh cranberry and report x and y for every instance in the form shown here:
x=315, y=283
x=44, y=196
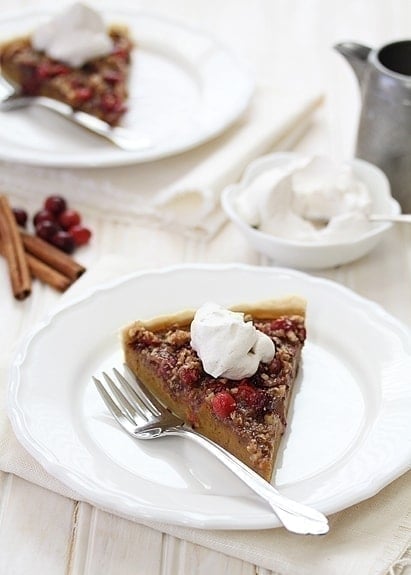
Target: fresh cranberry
x=76, y=82
x=48, y=69
x=30, y=82
x=20, y=216
x=111, y=103
x=275, y=366
x=112, y=76
x=252, y=397
x=122, y=53
x=188, y=376
x=223, y=404
x=69, y=218
x=55, y=204
x=83, y=94
x=46, y=230
x=43, y=216
x=81, y=235
x=64, y=241
x=282, y=323
x=247, y=394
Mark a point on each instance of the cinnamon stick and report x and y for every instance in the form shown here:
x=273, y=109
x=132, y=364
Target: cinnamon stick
x=14, y=253
x=52, y=256
x=47, y=274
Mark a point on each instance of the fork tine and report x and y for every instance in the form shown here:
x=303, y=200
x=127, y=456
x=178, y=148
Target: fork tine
x=133, y=411
x=145, y=396
x=135, y=394
x=112, y=406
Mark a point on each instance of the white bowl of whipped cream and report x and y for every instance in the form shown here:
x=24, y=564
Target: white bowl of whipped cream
x=310, y=212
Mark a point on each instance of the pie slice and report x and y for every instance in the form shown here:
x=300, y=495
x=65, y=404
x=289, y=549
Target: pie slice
x=246, y=417
x=99, y=87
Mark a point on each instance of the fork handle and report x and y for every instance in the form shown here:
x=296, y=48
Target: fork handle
x=294, y=516
x=117, y=135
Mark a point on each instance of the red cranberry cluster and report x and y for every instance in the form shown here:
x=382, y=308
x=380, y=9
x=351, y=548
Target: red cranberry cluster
x=57, y=224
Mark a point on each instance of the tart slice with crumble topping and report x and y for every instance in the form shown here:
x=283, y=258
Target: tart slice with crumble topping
x=243, y=406
x=98, y=87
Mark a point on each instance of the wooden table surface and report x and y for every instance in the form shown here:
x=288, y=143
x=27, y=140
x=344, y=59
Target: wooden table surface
x=42, y=532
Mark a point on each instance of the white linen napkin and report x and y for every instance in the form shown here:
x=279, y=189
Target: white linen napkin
x=183, y=191
x=371, y=537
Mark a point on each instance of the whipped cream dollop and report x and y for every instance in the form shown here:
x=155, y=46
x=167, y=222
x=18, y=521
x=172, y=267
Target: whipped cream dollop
x=227, y=345
x=310, y=199
x=74, y=36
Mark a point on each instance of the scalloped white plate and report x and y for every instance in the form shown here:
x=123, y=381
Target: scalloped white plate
x=349, y=427
x=185, y=88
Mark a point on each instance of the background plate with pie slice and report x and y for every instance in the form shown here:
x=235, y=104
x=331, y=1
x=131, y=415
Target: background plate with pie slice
x=349, y=423
x=185, y=88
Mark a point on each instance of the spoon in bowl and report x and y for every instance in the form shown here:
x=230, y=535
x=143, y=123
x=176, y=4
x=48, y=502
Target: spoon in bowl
x=393, y=218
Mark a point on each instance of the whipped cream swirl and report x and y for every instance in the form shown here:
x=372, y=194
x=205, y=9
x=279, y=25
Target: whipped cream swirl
x=227, y=345
x=74, y=36
x=310, y=199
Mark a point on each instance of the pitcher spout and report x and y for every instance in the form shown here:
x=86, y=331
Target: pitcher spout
x=356, y=55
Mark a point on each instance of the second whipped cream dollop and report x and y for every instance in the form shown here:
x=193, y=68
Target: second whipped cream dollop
x=74, y=36
x=309, y=199
x=226, y=344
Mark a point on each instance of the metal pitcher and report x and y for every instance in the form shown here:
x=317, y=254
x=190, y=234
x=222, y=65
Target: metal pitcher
x=384, y=131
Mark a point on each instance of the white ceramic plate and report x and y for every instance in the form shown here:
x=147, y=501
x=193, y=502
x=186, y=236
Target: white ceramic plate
x=185, y=88
x=349, y=423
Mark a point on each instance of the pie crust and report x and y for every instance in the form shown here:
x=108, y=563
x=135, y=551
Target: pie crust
x=246, y=417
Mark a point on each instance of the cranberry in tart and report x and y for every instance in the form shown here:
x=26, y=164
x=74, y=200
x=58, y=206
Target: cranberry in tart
x=248, y=415
x=98, y=87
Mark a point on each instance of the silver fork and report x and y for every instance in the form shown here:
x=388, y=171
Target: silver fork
x=142, y=416
x=12, y=99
